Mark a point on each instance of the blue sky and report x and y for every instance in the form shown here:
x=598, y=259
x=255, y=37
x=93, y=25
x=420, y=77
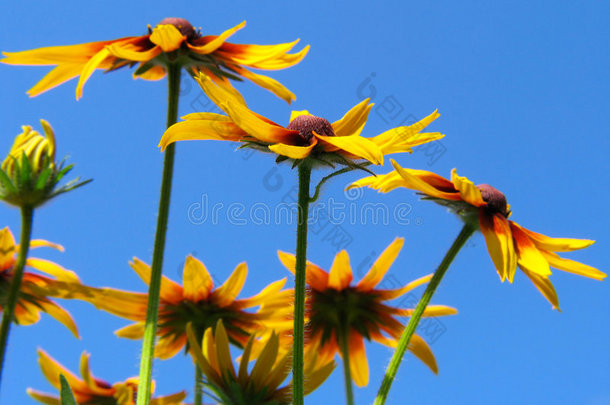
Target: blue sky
x=523, y=92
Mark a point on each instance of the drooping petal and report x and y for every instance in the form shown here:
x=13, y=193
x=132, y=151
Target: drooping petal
x=528, y=255
x=53, y=269
x=155, y=73
x=422, y=351
x=544, y=285
x=354, y=120
x=417, y=183
x=88, y=70
x=214, y=127
x=268, y=83
x=468, y=191
x=315, y=276
x=215, y=42
x=44, y=398
x=134, y=331
x=130, y=52
x=386, y=295
x=267, y=293
x=358, y=363
x=170, y=290
x=168, y=346
x=125, y=304
x=499, y=240
x=173, y=399
x=226, y=293
x=293, y=152
x=356, y=145
x=572, y=266
x=315, y=378
x=340, y=275
x=557, y=244
x=381, y=266
x=55, y=77
x=36, y=243
x=51, y=369
x=196, y=280
x=7, y=246
x=60, y=314
x=167, y=37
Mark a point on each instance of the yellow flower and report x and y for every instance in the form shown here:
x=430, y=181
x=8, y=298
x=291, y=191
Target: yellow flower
x=35, y=289
x=261, y=384
x=173, y=40
x=338, y=309
x=195, y=302
x=89, y=390
x=39, y=150
x=509, y=244
x=306, y=135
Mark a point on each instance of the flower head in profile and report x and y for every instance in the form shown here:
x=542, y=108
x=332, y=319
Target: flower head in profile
x=338, y=311
x=90, y=390
x=259, y=385
x=509, y=244
x=173, y=40
x=29, y=175
x=306, y=136
x=196, y=302
x=35, y=289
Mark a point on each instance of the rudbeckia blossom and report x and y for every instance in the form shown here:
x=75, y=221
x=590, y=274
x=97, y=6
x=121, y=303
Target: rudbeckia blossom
x=509, y=244
x=35, y=289
x=196, y=302
x=305, y=136
x=261, y=385
x=336, y=308
x=172, y=40
x=90, y=390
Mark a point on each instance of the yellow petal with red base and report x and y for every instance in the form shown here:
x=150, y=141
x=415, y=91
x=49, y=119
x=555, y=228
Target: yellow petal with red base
x=528, y=255
x=572, y=266
x=213, y=127
x=381, y=266
x=170, y=290
x=168, y=346
x=226, y=293
x=167, y=37
x=315, y=276
x=267, y=294
x=358, y=363
x=254, y=126
x=293, y=152
x=354, y=120
x=422, y=351
x=133, y=53
x=196, y=280
x=557, y=244
x=468, y=191
x=499, y=240
x=216, y=42
x=355, y=145
x=153, y=74
x=414, y=181
x=340, y=275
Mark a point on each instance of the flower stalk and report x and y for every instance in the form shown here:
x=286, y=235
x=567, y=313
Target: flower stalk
x=466, y=232
x=152, y=313
x=347, y=374
x=298, y=376
x=27, y=218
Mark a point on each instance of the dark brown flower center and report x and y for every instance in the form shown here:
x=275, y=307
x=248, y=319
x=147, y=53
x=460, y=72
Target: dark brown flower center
x=183, y=26
x=496, y=201
x=307, y=124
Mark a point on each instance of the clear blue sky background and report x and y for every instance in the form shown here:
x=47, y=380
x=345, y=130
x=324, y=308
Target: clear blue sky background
x=523, y=92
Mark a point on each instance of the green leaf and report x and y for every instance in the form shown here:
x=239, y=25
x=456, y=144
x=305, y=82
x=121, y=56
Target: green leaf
x=67, y=398
x=6, y=182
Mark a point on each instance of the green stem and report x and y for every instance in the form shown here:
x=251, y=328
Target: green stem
x=347, y=373
x=298, y=376
x=152, y=312
x=408, y=332
x=27, y=218
x=198, y=388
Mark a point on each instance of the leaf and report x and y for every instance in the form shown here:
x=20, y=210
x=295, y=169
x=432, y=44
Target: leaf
x=66, y=396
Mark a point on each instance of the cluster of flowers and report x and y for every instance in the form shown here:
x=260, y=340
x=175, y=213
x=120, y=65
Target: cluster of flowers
x=205, y=320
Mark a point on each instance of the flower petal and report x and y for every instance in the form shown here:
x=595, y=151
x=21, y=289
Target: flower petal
x=340, y=275
x=51, y=369
x=167, y=37
x=168, y=346
x=499, y=240
x=130, y=52
x=53, y=269
x=268, y=83
x=226, y=293
x=386, y=295
x=155, y=73
x=381, y=266
x=528, y=255
x=55, y=77
x=315, y=276
x=430, y=311
x=268, y=293
x=36, y=243
x=135, y=331
x=469, y=192
x=354, y=120
x=293, y=152
x=557, y=244
x=170, y=290
x=60, y=314
x=361, y=148
x=544, y=285
x=265, y=362
x=418, y=181
x=422, y=351
x=222, y=351
x=572, y=266
x=254, y=126
x=214, y=127
x=196, y=280
x=214, y=42
x=89, y=68
x=407, y=135
x=357, y=360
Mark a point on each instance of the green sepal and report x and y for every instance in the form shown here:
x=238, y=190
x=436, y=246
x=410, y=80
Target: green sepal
x=66, y=395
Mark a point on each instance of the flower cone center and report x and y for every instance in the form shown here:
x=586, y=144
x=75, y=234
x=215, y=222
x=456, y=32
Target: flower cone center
x=185, y=27
x=307, y=124
x=495, y=199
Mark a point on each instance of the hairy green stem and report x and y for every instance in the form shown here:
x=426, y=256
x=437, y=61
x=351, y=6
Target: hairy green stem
x=298, y=376
x=408, y=332
x=347, y=373
x=152, y=312
x=27, y=218
x=198, y=388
